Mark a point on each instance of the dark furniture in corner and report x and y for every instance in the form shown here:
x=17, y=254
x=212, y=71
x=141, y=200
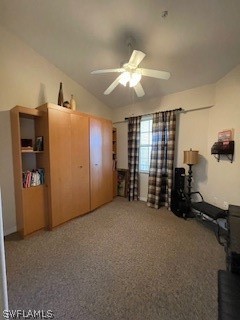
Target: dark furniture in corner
x=229, y=281
x=228, y=295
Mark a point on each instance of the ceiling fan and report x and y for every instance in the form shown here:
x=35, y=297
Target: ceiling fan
x=132, y=74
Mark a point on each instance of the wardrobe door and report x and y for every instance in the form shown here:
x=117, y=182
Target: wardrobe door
x=100, y=161
x=80, y=164
x=96, y=175
x=60, y=166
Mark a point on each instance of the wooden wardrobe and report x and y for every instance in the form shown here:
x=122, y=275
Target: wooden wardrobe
x=77, y=160
x=67, y=164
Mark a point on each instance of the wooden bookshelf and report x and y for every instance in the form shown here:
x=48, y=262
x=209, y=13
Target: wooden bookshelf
x=114, y=157
x=27, y=123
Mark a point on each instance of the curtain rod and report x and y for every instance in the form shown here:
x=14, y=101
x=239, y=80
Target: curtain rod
x=149, y=114
x=180, y=110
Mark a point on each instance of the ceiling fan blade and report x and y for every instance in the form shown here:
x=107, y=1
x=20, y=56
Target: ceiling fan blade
x=136, y=58
x=139, y=90
x=154, y=73
x=108, y=70
x=112, y=86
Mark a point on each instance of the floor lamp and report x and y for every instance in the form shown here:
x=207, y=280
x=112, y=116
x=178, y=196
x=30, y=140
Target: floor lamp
x=190, y=158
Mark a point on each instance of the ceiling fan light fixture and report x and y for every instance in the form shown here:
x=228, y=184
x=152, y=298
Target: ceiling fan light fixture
x=135, y=78
x=124, y=78
x=132, y=74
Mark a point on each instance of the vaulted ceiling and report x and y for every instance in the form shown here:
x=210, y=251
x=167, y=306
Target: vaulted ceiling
x=198, y=42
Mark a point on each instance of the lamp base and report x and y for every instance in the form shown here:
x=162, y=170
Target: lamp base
x=189, y=181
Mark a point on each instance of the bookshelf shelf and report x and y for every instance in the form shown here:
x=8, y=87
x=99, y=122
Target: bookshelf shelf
x=31, y=151
x=40, y=186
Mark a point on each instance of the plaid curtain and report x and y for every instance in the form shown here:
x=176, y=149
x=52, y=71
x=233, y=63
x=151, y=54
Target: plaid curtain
x=133, y=155
x=162, y=158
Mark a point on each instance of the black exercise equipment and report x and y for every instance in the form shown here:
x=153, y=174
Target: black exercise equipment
x=229, y=281
x=204, y=208
x=210, y=213
x=179, y=203
x=191, y=204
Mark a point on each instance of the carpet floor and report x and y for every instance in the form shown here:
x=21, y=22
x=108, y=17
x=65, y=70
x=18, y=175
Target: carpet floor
x=124, y=261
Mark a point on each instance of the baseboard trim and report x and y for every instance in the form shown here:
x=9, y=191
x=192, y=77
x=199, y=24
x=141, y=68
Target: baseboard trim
x=143, y=199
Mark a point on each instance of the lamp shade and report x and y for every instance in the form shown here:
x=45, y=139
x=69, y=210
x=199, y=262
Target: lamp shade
x=190, y=157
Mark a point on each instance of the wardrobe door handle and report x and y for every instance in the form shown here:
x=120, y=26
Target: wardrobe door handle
x=80, y=167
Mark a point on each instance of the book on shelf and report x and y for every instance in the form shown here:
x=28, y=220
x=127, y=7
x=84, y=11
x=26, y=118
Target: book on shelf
x=41, y=173
x=33, y=178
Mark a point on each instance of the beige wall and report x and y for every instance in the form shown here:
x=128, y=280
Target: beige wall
x=6, y=174
x=29, y=80
x=224, y=177
x=217, y=181
x=189, y=99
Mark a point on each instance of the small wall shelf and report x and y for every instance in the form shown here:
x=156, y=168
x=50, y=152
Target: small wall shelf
x=223, y=148
x=229, y=156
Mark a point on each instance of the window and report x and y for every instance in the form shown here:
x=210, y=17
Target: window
x=145, y=144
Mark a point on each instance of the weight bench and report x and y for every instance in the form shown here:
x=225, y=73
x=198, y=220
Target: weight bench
x=208, y=212
x=206, y=209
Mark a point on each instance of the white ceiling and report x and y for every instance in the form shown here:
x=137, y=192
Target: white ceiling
x=198, y=42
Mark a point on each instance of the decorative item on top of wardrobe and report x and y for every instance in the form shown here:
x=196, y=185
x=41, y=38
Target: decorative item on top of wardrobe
x=66, y=104
x=190, y=158
x=72, y=103
x=60, y=95
x=224, y=145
